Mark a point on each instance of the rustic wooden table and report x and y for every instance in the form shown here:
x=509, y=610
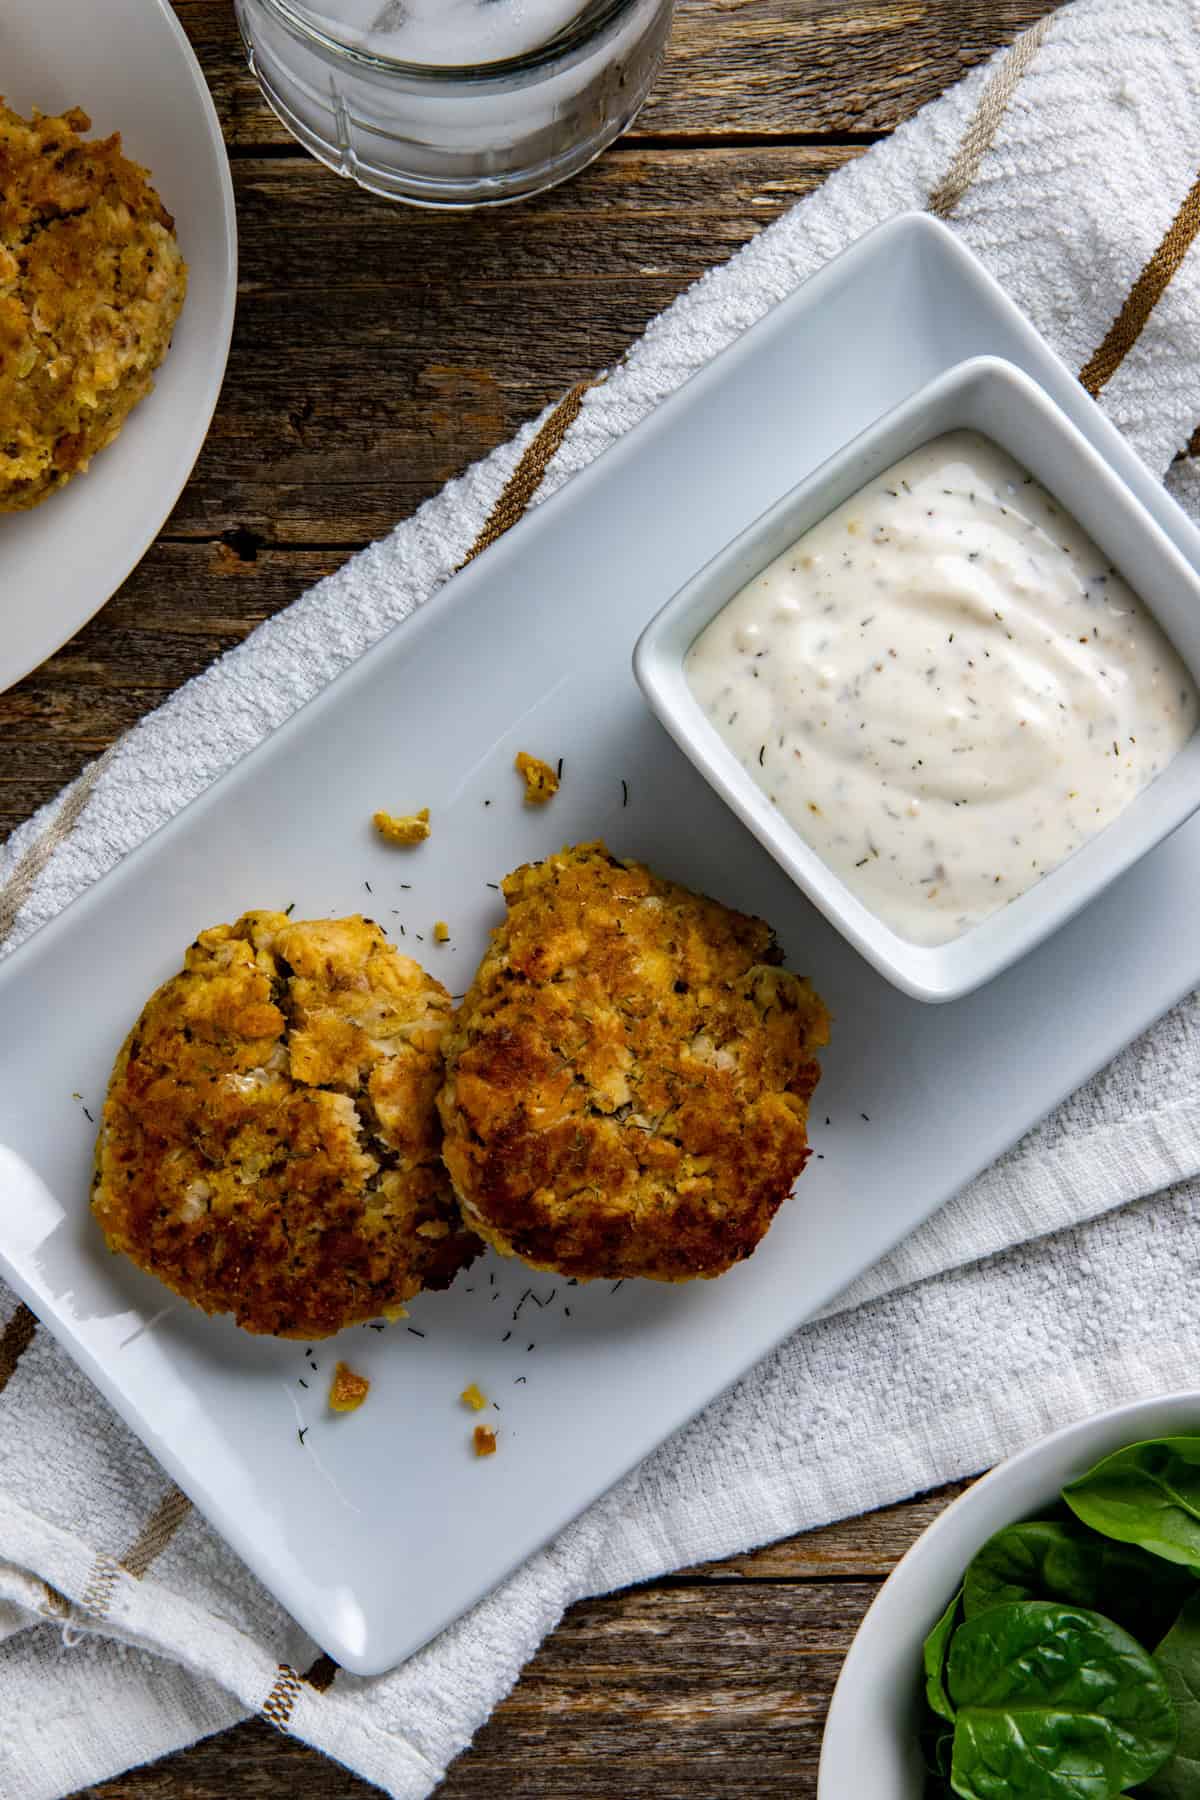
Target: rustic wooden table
x=377, y=352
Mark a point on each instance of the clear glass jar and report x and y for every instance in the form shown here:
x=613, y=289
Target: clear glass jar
x=454, y=135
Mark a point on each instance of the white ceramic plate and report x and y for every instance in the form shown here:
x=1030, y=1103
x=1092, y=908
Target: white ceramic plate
x=870, y=1742
x=132, y=70
x=381, y=1528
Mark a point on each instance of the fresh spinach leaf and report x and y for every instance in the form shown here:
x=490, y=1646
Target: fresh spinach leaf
x=1045, y=1560
x=936, y=1739
x=1054, y=1703
x=935, y=1660
x=1147, y=1494
x=1178, y=1656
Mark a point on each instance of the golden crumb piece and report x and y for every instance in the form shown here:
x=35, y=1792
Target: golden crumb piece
x=408, y=828
x=441, y=932
x=472, y=1397
x=484, y=1439
x=541, y=783
x=347, y=1391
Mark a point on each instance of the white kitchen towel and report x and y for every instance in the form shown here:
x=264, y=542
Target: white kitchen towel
x=126, y=1627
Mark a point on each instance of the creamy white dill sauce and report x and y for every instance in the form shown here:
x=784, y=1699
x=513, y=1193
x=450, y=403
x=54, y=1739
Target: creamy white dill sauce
x=944, y=687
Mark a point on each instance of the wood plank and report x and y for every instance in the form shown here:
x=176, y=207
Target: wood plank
x=715, y=1682
x=632, y=1696
x=179, y=610
x=772, y=67
x=396, y=380
x=251, y=1762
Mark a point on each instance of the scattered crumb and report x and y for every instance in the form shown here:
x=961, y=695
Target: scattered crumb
x=395, y=1313
x=441, y=932
x=472, y=1397
x=347, y=1391
x=409, y=828
x=484, y=1439
x=541, y=783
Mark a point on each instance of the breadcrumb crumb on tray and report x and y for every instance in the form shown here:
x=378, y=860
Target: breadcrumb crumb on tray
x=472, y=1397
x=402, y=828
x=484, y=1439
x=541, y=781
x=347, y=1391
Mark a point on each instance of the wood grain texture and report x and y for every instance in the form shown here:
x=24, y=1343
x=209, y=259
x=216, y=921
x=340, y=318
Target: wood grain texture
x=712, y=1683
x=397, y=378
x=358, y=384
x=378, y=352
x=779, y=68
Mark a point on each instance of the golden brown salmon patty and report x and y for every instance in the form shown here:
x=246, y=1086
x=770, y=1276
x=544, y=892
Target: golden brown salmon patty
x=91, y=284
x=627, y=1082
x=270, y=1143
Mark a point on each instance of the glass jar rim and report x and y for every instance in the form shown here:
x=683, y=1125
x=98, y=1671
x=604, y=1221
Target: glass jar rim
x=575, y=36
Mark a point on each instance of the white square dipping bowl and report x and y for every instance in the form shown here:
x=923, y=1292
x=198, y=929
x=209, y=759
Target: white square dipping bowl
x=991, y=396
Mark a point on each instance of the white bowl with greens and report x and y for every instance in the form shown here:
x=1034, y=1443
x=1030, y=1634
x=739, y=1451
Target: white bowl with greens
x=1041, y=1641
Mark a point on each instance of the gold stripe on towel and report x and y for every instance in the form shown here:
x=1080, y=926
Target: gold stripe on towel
x=156, y=1533
x=1144, y=295
x=106, y=1572
x=278, y=1705
x=54, y=1605
x=985, y=122
x=100, y=1586
x=16, y=890
x=526, y=478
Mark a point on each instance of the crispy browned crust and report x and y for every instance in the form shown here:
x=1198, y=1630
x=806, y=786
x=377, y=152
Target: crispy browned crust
x=270, y=1142
x=91, y=284
x=627, y=1082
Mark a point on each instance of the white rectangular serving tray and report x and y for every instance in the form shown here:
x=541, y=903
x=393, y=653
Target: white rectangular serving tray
x=381, y=1527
